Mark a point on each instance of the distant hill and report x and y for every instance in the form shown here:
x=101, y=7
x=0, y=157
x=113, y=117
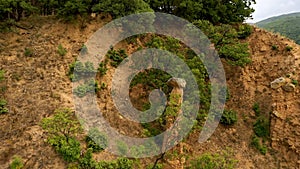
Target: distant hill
x=287, y=25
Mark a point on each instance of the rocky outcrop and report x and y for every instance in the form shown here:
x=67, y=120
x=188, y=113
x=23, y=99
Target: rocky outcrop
x=289, y=87
x=284, y=83
x=277, y=83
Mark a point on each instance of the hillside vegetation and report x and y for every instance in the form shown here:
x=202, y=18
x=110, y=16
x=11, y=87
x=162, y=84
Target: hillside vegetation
x=287, y=25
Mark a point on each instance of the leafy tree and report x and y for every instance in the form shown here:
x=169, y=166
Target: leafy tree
x=226, y=39
x=62, y=129
x=216, y=11
x=15, y=9
x=73, y=8
x=62, y=124
x=119, y=8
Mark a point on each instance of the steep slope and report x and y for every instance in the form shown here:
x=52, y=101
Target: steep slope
x=252, y=85
x=38, y=85
x=287, y=25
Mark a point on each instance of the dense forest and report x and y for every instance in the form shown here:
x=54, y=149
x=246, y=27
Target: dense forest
x=287, y=25
x=216, y=11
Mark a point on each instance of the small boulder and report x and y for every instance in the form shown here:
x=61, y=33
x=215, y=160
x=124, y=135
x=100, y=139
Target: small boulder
x=277, y=83
x=289, y=87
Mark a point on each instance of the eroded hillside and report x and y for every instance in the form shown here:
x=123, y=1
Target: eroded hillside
x=37, y=84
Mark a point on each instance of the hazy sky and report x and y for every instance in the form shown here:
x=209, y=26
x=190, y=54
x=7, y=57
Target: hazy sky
x=268, y=8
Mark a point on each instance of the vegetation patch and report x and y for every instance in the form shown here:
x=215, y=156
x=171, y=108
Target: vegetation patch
x=96, y=140
x=81, y=70
x=229, y=117
x=88, y=87
x=61, y=50
x=3, y=108
x=256, y=109
x=28, y=52
x=262, y=127
x=214, y=161
x=116, y=56
x=257, y=143
x=17, y=163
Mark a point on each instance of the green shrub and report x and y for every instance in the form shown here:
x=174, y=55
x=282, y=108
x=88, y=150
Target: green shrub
x=225, y=91
x=2, y=75
x=244, y=31
x=213, y=161
x=3, y=108
x=87, y=161
x=288, y=48
x=103, y=86
x=80, y=91
x=84, y=49
x=274, y=47
x=102, y=68
x=88, y=87
x=61, y=50
x=158, y=166
x=226, y=40
x=28, y=52
x=125, y=163
x=67, y=147
x=120, y=163
x=256, y=142
x=116, y=57
x=122, y=147
x=256, y=109
x=96, y=140
x=236, y=54
x=81, y=70
x=17, y=163
x=295, y=82
x=262, y=127
x=229, y=117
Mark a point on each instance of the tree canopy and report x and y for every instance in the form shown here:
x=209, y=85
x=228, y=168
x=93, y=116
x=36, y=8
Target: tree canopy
x=215, y=11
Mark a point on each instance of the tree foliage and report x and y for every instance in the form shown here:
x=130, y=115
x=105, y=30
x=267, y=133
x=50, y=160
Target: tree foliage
x=63, y=123
x=216, y=11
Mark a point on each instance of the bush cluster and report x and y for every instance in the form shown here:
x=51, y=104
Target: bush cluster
x=61, y=50
x=116, y=56
x=63, y=129
x=96, y=140
x=213, y=161
x=226, y=39
x=229, y=117
x=256, y=109
x=3, y=108
x=256, y=142
x=87, y=87
x=17, y=163
x=79, y=70
x=262, y=127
